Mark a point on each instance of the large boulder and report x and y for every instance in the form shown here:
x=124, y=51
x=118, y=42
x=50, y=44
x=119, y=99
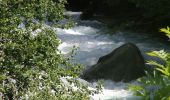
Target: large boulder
x=123, y=64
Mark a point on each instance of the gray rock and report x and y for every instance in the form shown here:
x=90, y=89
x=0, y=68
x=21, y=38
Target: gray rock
x=123, y=64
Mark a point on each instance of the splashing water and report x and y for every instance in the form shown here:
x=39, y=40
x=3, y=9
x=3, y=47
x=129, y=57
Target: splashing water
x=93, y=42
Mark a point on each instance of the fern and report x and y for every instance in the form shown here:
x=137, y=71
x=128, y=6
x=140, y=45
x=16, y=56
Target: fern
x=156, y=85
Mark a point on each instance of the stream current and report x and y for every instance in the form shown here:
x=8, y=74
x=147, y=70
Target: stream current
x=94, y=39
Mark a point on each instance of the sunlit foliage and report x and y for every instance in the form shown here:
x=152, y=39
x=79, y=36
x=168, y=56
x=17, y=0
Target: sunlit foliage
x=31, y=66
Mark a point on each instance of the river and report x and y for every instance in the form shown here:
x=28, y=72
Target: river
x=94, y=40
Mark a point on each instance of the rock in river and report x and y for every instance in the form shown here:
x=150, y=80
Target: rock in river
x=123, y=64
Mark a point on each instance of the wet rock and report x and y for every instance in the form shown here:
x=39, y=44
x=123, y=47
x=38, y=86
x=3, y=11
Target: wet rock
x=123, y=64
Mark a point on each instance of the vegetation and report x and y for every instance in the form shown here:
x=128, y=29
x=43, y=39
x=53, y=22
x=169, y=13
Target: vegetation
x=156, y=85
x=31, y=66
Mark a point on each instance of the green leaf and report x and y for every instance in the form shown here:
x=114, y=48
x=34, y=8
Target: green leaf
x=161, y=54
x=166, y=31
x=155, y=64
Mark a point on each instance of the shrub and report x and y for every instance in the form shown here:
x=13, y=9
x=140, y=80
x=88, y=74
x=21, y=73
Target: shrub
x=31, y=66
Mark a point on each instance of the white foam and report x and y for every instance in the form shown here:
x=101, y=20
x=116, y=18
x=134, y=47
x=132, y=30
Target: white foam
x=92, y=43
x=115, y=90
x=72, y=13
x=91, y=46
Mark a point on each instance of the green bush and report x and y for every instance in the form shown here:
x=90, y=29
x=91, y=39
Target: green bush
x=31, y=66
x=156, y=85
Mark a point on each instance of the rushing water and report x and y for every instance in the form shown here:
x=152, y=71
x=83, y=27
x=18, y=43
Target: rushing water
x=93, y=41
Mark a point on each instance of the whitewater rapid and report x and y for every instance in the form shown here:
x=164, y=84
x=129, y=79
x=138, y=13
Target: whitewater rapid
x=93, y=41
